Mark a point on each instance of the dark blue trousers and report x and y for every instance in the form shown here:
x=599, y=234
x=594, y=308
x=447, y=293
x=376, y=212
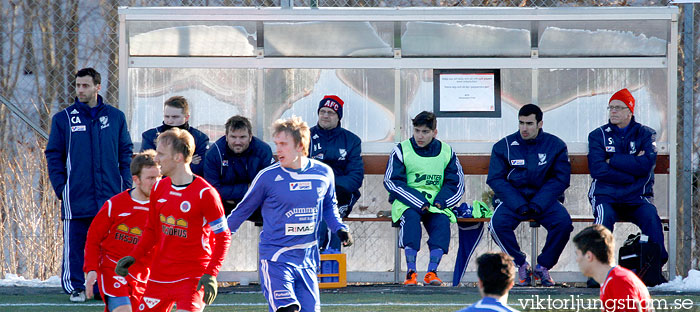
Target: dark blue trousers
x=74, y=235
x=555, y=219
x=470, y=234
x=436, y=224
x=642, y=214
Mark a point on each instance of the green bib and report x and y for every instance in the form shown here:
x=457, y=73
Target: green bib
x=425, y=174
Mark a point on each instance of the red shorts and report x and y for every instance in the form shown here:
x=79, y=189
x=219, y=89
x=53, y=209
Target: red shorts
x=113, y=285
x=161, y=296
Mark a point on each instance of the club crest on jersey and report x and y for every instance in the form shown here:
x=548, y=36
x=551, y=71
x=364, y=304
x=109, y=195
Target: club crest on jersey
x=610, y=149
x=150, y=302
x=77, y=128
x=300, y=186
x=282, y=294
x=633, y=148
x=185, y=206
x=542, y=157
x=343, y=153
x=104, y=121
x=517, y=162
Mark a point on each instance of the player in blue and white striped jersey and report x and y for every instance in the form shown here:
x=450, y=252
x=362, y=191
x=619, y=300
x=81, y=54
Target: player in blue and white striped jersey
x=294, y=194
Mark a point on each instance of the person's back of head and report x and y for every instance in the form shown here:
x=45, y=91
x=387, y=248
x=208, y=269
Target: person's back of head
x=496, y=272
x=238, y=122
x=598, y=240
x=529, y=109
x=89, y=71
x=426, y=119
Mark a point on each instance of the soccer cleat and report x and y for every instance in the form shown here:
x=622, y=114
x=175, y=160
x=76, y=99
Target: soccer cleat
x=411, y=279
x=431, y=278
x=77, y=296
x=524, y=275
x=541, y=273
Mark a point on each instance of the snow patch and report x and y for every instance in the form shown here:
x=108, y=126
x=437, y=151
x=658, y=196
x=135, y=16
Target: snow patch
x=680, y=284
x=452, y=39
x=578, y=42
x=11, y=280
x=197, y=40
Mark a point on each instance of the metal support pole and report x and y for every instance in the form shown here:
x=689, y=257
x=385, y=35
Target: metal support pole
x=686, y=230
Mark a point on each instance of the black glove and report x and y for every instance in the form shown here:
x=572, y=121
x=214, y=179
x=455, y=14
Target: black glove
x=534, y=208
x=345, y=237
x=210, y=288
x=523, y=210
x=122, y=268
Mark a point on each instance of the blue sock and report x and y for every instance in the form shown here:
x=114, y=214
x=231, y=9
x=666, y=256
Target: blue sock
x=410, y=258
x=435, y=257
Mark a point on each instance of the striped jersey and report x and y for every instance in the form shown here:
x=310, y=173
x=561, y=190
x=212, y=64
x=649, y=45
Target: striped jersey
x=292, y=204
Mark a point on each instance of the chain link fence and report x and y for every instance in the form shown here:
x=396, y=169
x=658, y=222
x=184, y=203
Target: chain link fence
x=43, y=43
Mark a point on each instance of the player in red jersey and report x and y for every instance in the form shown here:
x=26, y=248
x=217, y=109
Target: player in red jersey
x=621, y=290
x=113, y=234
x=184, y=213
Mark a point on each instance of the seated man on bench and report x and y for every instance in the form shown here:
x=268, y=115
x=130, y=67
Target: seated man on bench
x=621, y=159
x=424, y=180
x=529, y=171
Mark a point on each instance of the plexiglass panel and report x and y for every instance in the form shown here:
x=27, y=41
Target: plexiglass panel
x=603, y=38
x=484, y=38
x=191, y=38
x=358, y=39
x=418, y=96
x=214, y=95
x=368, y=95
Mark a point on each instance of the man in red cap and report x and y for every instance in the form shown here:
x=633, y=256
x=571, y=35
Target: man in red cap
x=339, y=149
x=621, y=159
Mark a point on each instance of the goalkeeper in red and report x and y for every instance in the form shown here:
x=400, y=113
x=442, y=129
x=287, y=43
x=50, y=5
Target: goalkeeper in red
x=187, y=227
x=113, y=234
x=294, y=195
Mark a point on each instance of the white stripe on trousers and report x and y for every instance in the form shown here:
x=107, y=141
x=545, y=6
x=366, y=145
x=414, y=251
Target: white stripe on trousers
x=66, y=275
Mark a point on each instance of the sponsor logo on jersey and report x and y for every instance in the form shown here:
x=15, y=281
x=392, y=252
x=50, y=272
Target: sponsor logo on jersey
x=77, y=128
x=104, y=120
x=300, y=186
x=315, y=136
x=151, y=302
x=607, y=129
x=543, y=158
x=318, y=156
x=175, y=193
x=124, y=214
x=173, y=227
x=610, y=149
x=301, y=212
x=514, y=143
x=298, y=228
x=74, y=111
x=224, y=163
x=185, y=206
x=517, y=162
x=127, y=235
x=282, y=294
x=120, y=279
x=428, y=179
x=278, y=178
x=162, y=200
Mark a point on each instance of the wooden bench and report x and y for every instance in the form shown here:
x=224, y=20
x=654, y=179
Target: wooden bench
x=478, y=165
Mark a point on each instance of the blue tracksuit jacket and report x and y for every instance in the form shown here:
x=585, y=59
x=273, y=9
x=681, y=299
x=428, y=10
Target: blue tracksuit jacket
x=231, y=173
x=535, y=170
x=341, y=150
x=628, y=178
x=293, y=204
x=395, y=178
x=201, y=141
x=88, y=157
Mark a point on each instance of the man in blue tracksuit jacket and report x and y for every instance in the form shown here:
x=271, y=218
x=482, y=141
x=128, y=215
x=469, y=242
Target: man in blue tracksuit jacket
x=529, y=171
x=176, y=114
x=621, y=159
x=88, y=157
x=341, y=150
x=424, y=179
x=234, y=160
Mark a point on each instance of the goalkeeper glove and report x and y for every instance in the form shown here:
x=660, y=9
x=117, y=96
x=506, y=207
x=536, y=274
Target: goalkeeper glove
x=345, y=237
x=210, y=288
x=122, y=268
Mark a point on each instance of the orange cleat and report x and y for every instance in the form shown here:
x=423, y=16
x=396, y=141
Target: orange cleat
x=431, y=278
x=411, y=279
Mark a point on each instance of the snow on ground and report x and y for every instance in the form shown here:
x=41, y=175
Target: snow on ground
x=15, y=280
x=690, y=283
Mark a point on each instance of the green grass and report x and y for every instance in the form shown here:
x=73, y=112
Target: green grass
x=355, y=298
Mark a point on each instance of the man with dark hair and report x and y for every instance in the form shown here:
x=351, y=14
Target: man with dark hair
x=234, y=160
x=529, y=171
x=621, y=289
x=113, y=234
x=424, y=180
x=341, y=150
x=621, y=159
x=176, y=114
x=295, y=194
x=496, y=275
x=88, y=157
x=186, y=224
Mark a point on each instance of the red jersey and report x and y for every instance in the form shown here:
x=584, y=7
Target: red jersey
x=623, y=291
x=114, y=232
x=183, y=224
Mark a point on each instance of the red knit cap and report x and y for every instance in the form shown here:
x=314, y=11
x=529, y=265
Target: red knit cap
x=626, y=97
